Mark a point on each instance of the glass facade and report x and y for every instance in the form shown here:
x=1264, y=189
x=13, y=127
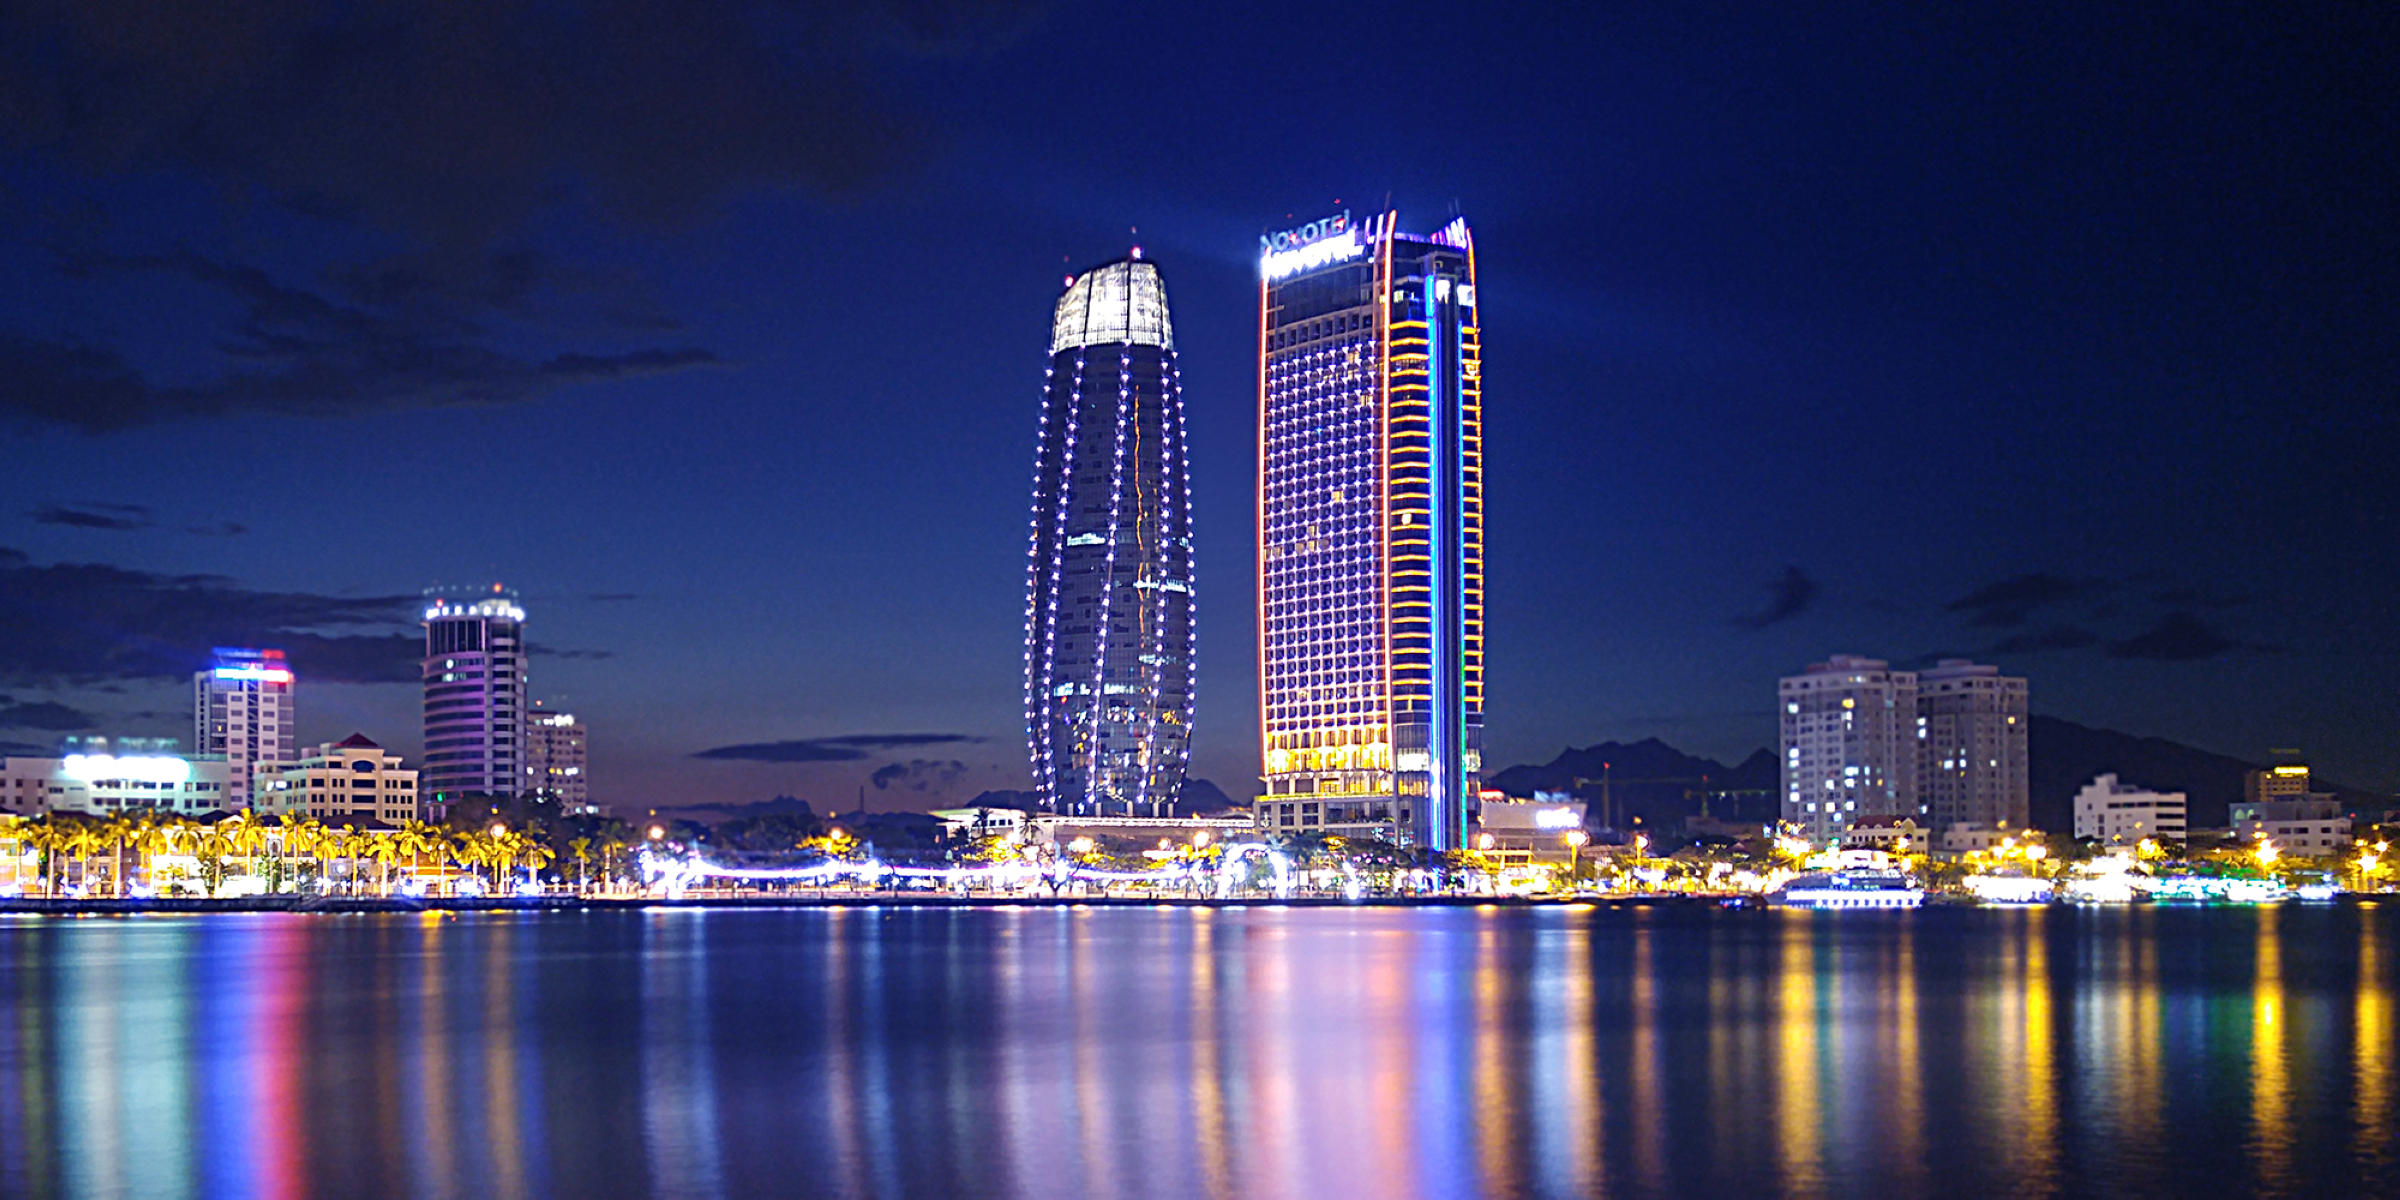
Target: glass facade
x=1108, y=625
x=1371, y=532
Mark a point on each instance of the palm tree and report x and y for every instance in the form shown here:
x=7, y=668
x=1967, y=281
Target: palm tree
x=84, y=840
x=417, y=837
x=45, y=837
x=211, y=844
x=12, y=831
x=581, y=849
x=245, y=833
x=537, y=855
x=151, y=839
x=384, y=849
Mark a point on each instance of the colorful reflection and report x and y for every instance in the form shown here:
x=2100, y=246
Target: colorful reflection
x=1238, y=1052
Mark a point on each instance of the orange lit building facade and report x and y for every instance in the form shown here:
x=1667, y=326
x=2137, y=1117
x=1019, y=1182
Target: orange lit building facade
x=1370, y=530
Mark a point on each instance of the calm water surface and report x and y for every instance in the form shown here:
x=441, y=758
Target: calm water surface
x=1320, y=1053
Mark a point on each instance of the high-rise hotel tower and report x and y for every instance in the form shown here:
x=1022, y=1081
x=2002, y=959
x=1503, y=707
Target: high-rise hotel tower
x=1108, y=620
x=474, y=695
x=1370, y=525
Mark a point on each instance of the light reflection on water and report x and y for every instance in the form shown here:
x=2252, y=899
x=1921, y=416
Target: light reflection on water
x=1217, y=1053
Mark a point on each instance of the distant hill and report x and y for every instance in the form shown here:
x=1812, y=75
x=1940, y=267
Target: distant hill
x=2065, y=756
x=1652, y=780
x=1662, y=785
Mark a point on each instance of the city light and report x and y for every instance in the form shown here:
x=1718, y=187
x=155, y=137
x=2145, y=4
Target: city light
x=92, y=768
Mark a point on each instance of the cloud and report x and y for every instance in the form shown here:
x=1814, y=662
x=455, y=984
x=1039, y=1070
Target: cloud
x=122, y=518
x=43, y=714
x=296, y=353
x=2056, y=637
x=2177, y=637
x=918, y=775
x=852, y=748
x=220, y=529
x=2012, y=601
x=1788, y=596
x=541, y=651
x=91, y=623
x=452, y=125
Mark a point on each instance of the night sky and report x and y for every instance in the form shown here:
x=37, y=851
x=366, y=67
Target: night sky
x=2057, y=337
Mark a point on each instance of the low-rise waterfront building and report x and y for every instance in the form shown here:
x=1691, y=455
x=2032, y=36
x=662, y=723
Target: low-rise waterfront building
x=346, y=782
x=1897, y=835
x=1529, y=831
x=2314, y=827
x=115, y=777
x=2118, y=814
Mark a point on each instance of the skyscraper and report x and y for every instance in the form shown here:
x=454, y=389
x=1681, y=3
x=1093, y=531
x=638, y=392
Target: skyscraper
x=474, y=695
x=242, y=708
x=1108, y=615
x=1370, y=530
x=1849, y=745
x=1972, y=741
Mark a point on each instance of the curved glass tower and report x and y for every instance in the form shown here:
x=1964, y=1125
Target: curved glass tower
x=1108, y=576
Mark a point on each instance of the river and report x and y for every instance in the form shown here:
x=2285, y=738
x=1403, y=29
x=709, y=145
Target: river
x=1329, y=1054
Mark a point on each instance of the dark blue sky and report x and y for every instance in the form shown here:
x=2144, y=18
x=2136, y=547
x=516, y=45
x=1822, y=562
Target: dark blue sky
x=2060, y=337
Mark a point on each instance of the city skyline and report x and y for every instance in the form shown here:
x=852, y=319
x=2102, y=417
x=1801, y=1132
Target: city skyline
x=1886, y=346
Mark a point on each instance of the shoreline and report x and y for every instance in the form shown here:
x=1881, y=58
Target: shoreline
x=337, y=905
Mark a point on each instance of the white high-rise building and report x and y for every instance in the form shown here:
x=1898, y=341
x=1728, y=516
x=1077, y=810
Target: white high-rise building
x=556, y=752
x=474, y=696
x=242, y=708
x=2117, y=814
x=1849, y=745
x=1971, y=750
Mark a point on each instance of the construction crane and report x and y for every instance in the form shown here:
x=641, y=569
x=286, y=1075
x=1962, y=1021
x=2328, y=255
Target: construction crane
x=1608, y=801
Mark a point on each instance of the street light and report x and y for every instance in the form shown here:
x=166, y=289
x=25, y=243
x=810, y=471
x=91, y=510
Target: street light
x=1575, y=840
x=2267, y=853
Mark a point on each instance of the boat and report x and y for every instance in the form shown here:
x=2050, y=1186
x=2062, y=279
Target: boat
x=1851, y=889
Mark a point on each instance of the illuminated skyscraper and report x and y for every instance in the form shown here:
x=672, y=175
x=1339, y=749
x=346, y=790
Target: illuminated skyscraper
x=1370, y=530
x=474, y=695
x=1108, y=624
x=242, y=708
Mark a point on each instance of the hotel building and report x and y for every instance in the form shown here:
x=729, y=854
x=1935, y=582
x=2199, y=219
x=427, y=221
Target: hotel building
x=474, y=695
x=242, y=709
x=349, y=782
x=1849, y=745
x=1370, y=531
x=1108, y=573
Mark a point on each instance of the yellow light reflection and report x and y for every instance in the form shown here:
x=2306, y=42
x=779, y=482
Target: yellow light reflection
x=2040, y=1146
x=2371, y=1044
x=1908, y=1083
x=1495, y=1094
x=2270, y=1080
x=1649, y=1106
x=1799, y=1145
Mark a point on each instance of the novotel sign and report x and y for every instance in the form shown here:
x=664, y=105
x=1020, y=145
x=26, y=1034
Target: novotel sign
x=1308, y=247
x=1314, y=231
